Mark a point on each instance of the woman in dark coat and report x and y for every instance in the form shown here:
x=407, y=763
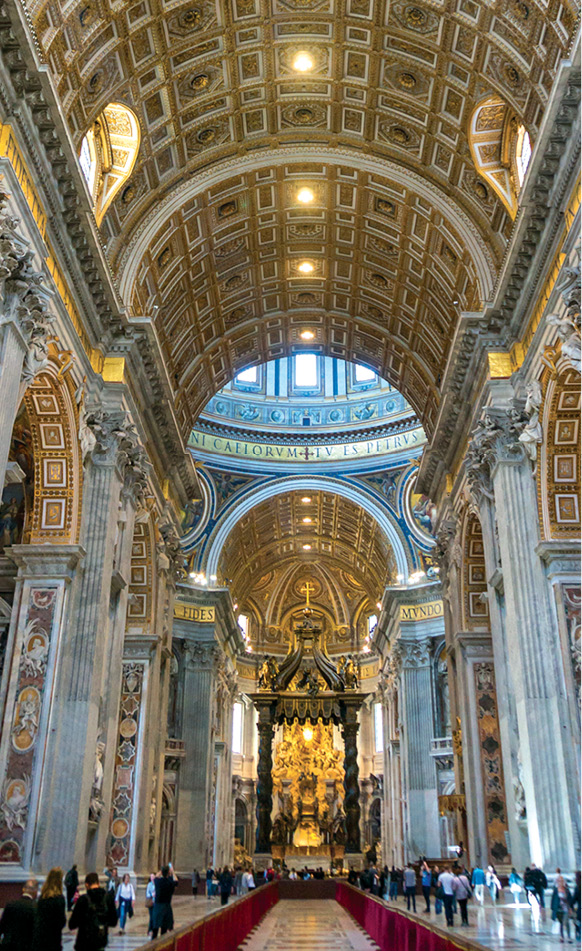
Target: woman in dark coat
x=50, y=915
x=163, y=916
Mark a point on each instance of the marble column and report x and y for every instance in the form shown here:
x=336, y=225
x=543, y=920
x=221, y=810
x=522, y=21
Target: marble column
x=418, y=731
x=264, y=779
x=499, y=468
x=392, y=838
x=74, y=758
x=35, y=649
x=197, y=769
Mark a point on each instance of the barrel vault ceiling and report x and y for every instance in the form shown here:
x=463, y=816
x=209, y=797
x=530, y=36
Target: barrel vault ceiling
x=206, y=237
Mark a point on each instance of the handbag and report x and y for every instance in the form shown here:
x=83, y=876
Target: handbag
x=440, y=893
x=149, y=904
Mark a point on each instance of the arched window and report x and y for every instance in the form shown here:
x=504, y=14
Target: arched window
x=522, y=153
x=108, y=154
x=501, y=149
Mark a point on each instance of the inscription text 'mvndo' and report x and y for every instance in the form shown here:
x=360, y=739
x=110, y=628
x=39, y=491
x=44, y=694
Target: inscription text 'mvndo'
x=421, y=612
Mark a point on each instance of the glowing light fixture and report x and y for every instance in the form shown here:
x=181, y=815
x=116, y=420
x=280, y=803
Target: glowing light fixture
x=379, y=605
x=305, y=196
x=307, y=520
x=307, y=733
x=306, y=499
x=307, y=335
x=306, y=267
x=303, y=62
x=307, y=547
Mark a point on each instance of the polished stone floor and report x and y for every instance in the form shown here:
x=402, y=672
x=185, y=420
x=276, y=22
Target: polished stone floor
x=504, y=927
x=308, y=926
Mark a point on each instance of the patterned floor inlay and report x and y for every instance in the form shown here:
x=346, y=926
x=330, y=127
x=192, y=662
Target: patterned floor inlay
x=308, y=926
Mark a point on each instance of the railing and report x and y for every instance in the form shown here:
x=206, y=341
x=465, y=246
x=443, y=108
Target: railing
x=175, y=747
x=441, y=746
x=397, y=930
x=223, y=929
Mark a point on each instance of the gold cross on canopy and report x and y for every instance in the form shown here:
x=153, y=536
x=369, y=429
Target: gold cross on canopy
x=307, y=588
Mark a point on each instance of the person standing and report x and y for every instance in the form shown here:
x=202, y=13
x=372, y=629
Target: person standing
x=393, y=893
x=225, y=881
x=515, y=885
x=71, y=885
x=478, y=883
x=93, y=915
x=492, y=882
x=51, y=915
x=446, y=882
x=238, y=874
x=163, y=916
x=149, y=901
x=462, y=891
x=125, y=898
x=209, y=877
x=561, y=905
x=410, y=887
x=195, y=882
x=426, y=882
x=540, y=883
x=18, y=919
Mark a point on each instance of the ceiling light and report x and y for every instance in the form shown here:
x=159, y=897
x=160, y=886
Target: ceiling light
x=305, y=196
x=303, y=62
x=379, y=605
x=306, y=267
x=307, y=733
x=307, y=520
x=307, y=547
x=305, y=499
x=307, y=335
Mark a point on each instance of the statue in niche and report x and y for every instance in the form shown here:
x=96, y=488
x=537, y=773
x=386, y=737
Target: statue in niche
x=96, y=803
x=519, y=793
x=347, y=670
x=268, y=674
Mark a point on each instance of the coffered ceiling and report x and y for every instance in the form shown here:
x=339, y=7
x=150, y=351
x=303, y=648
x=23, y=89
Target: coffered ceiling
x=207, y=234
x=342, y=536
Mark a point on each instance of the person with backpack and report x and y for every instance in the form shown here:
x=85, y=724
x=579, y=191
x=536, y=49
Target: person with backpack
x=93, y=915
x=71, y=885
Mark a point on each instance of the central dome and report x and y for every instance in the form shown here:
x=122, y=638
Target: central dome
x=306, y=400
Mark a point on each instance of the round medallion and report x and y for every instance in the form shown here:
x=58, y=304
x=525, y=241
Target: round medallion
x=119, y=828
x=199, y=82
x=128, y=727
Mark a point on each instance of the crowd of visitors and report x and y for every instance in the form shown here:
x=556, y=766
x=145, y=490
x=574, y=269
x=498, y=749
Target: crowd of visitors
x=454, y=887
x=36, y=921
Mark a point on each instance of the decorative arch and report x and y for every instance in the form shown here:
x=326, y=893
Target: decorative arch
x=500, y=147
x=58, y=471
x=211, y=554
x=108, y=154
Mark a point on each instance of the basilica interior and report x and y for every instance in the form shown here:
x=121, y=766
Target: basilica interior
x=289, y=434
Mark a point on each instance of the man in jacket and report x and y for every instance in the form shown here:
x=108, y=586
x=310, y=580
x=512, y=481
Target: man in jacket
x=539, y=883
x=93, y=914
x=71, y=885
x=18, y=919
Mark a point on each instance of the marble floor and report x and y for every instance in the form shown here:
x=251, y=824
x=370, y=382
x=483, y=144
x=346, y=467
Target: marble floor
x=308, y=926
x=501, y=927
x=504, y=927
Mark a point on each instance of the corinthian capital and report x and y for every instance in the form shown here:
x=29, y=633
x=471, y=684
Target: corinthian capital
x=496, y=439
x=112, y=437
x=171, y=557
x=415, y=653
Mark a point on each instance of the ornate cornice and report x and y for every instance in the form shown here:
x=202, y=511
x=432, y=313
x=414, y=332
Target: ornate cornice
x=498, y=327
